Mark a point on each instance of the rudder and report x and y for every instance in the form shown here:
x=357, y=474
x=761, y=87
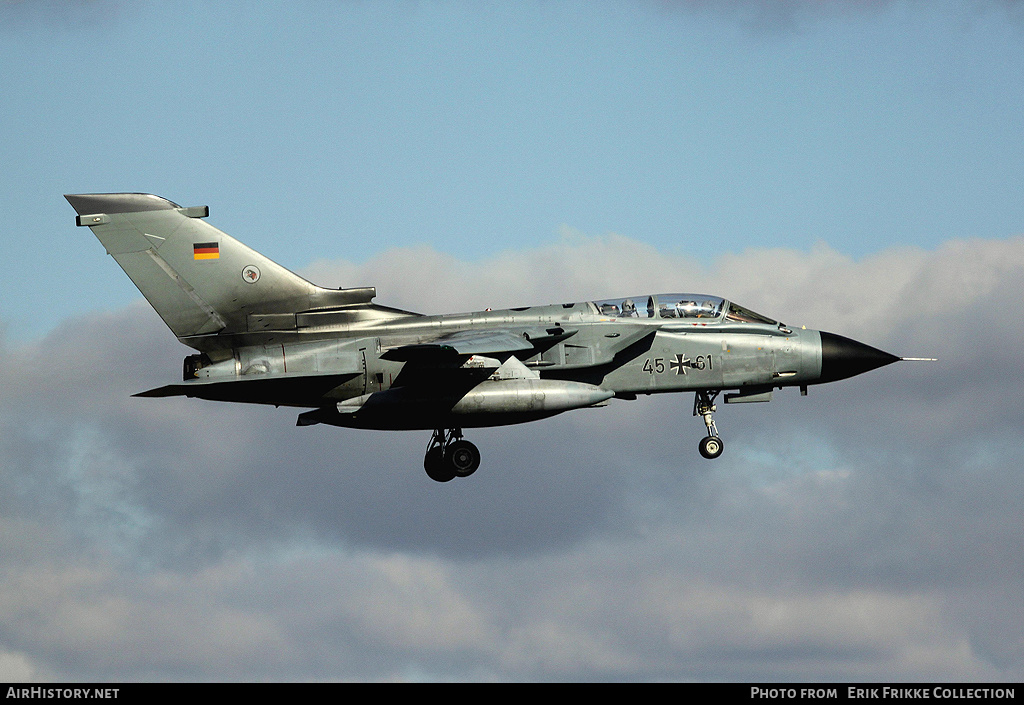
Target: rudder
x=199, y=279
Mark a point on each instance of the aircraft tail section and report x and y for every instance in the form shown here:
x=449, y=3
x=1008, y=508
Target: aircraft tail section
x=199, y=279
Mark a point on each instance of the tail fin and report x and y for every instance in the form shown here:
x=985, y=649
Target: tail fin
x=200, y=280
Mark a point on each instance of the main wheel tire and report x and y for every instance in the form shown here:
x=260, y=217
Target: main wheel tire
x=437, y=469
x=711, y=447
x=462, y=458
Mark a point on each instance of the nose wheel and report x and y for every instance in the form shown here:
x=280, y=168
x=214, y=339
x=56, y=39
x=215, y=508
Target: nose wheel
x=449, y=456
x=711, y=446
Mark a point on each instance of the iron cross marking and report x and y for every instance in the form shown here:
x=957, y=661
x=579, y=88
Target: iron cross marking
x=680, y=364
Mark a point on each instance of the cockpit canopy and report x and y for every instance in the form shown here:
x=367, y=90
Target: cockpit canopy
x=687, y=306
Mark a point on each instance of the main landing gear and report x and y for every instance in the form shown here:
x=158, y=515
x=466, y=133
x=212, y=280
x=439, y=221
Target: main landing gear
x=711, y=446
x=450, y=456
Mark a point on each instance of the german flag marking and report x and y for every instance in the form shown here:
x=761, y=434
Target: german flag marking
x=206, y=250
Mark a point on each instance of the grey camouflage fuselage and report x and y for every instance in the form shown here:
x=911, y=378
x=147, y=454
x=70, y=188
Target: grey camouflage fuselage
x=267, y=336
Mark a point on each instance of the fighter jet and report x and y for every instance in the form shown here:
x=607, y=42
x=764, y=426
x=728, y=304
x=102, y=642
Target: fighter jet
x=265, y=335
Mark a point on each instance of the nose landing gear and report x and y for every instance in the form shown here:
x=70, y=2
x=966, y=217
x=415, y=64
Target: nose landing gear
x=711, y=446
x=450, y=456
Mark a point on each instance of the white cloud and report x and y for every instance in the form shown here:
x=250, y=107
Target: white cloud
x=16, y=668
x=858, y=533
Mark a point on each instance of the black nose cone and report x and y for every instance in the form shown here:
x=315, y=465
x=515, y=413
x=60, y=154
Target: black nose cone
x=842, y=357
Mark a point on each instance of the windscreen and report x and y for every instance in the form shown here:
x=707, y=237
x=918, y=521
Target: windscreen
x=745, y=315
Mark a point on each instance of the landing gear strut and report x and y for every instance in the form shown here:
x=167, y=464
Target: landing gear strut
x=711, y=446
x=450, y=456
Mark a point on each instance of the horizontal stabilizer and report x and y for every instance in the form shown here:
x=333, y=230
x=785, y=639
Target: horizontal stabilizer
x=278, y=389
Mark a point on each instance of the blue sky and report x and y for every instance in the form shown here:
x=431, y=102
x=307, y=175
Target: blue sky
x=849, y=166
x=339, y=130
